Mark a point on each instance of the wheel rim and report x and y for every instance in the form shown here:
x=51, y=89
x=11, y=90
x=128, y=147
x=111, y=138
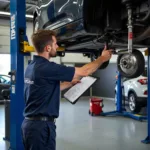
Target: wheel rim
x=128, y=64
x=132, y=103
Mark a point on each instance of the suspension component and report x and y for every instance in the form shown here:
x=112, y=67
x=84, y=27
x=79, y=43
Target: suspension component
x=130, y=30
x=128, y=4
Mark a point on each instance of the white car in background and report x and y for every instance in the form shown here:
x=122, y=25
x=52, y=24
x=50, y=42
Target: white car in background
x=134, y=91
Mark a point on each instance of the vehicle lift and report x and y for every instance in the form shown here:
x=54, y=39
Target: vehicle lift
x=21, y=48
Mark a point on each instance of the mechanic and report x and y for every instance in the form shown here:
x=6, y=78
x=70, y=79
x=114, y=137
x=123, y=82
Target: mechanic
x=43, y=82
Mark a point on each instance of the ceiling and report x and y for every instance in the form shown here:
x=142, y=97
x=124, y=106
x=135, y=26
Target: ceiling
x=5, y=8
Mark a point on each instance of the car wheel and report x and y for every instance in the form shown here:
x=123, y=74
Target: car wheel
x=94, y=56
x=35, y=25
x=131, y=66
x=133, y=104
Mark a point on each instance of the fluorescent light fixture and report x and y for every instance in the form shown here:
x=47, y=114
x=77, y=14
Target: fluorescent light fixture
x=74, y=2
x=29, y=16
x=4, y=13
x=8, y=14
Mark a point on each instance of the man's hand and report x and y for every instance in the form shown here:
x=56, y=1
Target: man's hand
x=106, y=54
x=90, y=68
x=66, y=85
x=75, y=81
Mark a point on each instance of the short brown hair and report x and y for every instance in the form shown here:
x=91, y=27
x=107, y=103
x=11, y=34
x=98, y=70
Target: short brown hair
x=41, y=38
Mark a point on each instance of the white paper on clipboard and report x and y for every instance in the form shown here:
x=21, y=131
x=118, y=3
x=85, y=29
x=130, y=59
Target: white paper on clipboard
x=77, y=90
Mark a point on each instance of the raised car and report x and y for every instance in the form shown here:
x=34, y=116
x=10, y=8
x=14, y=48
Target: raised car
x=85, y=26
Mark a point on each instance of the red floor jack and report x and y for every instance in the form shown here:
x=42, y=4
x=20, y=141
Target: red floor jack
x=96, y=105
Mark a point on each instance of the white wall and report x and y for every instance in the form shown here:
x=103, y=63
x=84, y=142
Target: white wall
x=4, y=39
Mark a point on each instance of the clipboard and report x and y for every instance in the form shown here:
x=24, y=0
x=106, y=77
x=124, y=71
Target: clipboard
x=75, y=92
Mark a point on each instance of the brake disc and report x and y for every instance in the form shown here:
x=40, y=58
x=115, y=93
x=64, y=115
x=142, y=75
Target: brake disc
x=128, y=63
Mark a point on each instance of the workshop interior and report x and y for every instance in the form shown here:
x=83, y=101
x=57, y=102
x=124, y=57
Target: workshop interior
x=113, y=112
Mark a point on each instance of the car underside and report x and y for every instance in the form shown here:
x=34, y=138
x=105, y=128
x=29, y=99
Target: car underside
x=103, y=21
x=119, y=24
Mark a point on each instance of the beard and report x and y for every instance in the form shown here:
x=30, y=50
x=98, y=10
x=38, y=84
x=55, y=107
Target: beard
x=53, y=53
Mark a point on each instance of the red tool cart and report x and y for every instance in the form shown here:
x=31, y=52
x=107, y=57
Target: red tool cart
x=96, y=105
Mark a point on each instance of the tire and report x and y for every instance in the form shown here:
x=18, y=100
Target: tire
x=133, y=104
x=131, y=67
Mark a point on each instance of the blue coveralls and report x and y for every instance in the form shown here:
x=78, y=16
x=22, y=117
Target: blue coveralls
x=42, y=98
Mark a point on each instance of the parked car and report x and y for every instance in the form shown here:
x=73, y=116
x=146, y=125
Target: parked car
x=5, y=79
x=85, y=26
x=4, y=84
x=134, y=91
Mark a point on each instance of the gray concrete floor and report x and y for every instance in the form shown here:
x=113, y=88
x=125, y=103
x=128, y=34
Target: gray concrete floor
x=76, y=130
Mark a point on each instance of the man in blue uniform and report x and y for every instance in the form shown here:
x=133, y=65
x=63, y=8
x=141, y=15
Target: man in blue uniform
x=43, y=82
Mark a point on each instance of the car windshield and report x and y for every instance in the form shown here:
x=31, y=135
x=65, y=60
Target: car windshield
x=145, y=73
x=4, y=79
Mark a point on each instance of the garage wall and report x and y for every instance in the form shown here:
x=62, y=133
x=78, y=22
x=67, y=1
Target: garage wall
x=104, y=87
x=4, y=39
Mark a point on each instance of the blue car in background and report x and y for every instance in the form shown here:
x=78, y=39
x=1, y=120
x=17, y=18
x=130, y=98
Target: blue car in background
x=4, y=84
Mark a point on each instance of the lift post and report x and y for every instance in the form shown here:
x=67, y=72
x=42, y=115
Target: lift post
x=147, y=140
x=119, y=94
x=17, y=24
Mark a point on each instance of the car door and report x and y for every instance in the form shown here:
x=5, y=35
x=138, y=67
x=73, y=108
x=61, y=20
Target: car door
x=127, y=86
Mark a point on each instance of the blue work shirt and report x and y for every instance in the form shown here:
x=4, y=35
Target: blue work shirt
x=42, y=87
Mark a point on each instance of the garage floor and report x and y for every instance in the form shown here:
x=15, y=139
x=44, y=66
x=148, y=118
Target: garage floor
x=76, y=130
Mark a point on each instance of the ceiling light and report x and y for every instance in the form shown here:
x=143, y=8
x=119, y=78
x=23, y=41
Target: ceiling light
x=8, y=14
x=4, y=13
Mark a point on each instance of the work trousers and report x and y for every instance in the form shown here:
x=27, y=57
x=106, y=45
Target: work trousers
x=39, y=135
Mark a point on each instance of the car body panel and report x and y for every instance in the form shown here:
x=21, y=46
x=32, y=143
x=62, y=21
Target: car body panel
x=132, y=85
x=62, y=16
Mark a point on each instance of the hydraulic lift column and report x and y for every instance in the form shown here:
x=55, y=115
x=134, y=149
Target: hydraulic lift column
x=18, y=21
